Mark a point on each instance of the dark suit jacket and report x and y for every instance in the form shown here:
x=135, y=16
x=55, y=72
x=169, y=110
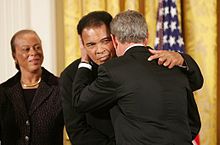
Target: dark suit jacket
x=42, y=124
x=152, y=101
x=93, y=128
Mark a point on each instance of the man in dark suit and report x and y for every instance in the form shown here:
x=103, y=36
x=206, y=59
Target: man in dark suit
x=151, y=104
x=93, y=128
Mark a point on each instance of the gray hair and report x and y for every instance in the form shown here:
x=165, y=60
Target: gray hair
x=129, y=26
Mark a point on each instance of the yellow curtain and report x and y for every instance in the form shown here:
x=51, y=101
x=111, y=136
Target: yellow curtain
x=200, y=35
x=200, y=27
x=131, y=5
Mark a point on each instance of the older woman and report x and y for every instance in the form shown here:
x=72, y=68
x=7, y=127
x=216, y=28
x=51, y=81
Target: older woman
x=30, y=106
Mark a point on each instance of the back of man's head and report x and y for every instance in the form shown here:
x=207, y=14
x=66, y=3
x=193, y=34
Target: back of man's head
x=129, y=26
x=94, y=19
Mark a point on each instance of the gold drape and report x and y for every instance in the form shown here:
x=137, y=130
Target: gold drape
x=113, y=7
x=132, y=5
x=199, y=22
x=72, y=14
x=200, y=27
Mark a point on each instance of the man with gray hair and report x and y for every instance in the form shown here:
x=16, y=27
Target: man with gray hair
x=150, y=104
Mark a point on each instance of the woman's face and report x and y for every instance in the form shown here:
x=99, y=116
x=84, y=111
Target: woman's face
x=28, y=52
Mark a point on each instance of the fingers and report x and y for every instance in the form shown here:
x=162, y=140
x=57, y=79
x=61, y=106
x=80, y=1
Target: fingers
x=155, y=54
x=153, y=51
x=160, y=55
x=161, y=61
x=167, y=58
x=84, y=55
x=173, y=62
x=166, y=62
x=174, y=59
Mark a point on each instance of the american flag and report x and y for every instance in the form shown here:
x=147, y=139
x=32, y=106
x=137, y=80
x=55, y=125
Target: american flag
x=168, y=35
x=196, y=141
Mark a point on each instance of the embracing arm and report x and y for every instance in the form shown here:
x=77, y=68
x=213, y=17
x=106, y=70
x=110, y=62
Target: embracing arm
x=170, y=59
x=100, y=93
x=78, y=129
x=193, y=73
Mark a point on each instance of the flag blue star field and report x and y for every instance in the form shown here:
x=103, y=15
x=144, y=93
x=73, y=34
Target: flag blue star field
x=168, y=36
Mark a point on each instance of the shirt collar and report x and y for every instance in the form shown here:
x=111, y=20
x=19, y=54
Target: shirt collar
x=133, y=45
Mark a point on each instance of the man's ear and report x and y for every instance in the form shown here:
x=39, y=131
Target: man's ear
x=114, y=41
x=146, y=40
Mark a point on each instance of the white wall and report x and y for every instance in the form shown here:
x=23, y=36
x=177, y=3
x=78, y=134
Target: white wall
x=38, y=15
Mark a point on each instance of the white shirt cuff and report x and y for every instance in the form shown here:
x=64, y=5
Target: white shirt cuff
x=85, y=65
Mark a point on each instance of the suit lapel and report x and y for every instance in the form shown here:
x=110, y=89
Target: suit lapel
x=138, y=49
x=42, y=93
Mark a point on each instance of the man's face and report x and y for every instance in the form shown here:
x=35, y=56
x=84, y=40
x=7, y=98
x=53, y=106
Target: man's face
x=98, y=44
